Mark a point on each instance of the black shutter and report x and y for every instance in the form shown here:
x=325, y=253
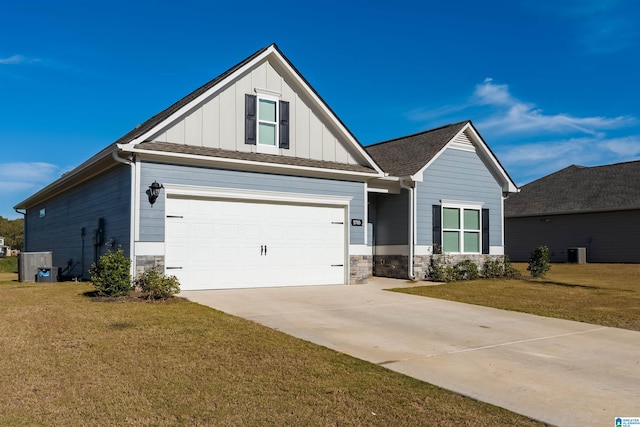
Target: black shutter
x=250, y=102
x=437, y=225
x=284, y=125
x=485, y=231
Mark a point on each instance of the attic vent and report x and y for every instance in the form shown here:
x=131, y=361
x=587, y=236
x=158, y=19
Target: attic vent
x=462, y=142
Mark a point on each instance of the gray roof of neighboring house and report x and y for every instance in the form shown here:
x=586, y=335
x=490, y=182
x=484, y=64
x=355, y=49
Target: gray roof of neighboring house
x=169, y=147
x=407, y=155
x=578, y=189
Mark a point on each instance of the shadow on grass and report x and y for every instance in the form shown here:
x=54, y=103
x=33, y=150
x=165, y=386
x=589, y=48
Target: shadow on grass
x=563, y=284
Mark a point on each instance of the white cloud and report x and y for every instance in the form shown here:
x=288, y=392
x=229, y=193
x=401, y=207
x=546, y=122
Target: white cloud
x=17, y=59
x=24, y=176
x=514, y=116
x=533, y=160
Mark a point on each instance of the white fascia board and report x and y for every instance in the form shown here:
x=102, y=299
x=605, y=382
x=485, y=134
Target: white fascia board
x=255, y=195
x=250, y=164
x=271, y=50
x=179, y=113
x=507, y=186
x=70, y=179
x=327, y=111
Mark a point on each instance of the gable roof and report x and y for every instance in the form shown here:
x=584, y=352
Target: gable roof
x=410, y=155
x=407, y=155
x=579, y=189
x=141, y=133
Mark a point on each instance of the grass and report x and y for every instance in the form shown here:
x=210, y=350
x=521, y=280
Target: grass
x=603, y=294
x=69, y=359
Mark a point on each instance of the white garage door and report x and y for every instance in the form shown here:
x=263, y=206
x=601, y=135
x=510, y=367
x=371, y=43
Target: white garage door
x=216, y=244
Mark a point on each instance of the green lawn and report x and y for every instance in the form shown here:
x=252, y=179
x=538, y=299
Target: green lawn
x=603, y=294
x=69, y=359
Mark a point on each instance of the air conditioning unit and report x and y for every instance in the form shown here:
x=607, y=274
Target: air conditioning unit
x=577, y=255
x=30, y=263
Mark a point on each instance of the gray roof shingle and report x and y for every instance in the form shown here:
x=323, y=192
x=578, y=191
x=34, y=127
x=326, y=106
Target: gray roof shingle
x=579, y=189
x=407, y=155
x=169, y=147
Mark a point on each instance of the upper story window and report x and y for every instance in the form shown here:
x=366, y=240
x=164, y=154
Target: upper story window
x=266, y=122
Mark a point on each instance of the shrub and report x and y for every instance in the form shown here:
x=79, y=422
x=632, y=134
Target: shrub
x=539, y=262
x=499, y=268
x=510, y=271
x=493, y=268
x=111, y=275
x=441, y=270
x=466, y=270
x=157, y=285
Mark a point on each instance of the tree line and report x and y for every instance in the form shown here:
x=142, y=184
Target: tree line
x=13, y=232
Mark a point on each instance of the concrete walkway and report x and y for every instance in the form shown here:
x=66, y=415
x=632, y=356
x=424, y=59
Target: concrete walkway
x=560, y=372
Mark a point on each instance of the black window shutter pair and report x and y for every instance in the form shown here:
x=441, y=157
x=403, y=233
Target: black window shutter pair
x=251, y=120
x=437, y=227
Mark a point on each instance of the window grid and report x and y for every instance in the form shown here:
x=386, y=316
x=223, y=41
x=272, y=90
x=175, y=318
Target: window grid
x=461, y=232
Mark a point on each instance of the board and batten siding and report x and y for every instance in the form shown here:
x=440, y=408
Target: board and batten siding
x=152, y=216
x=107, y=196
x=219, y=122
x=607, y=236
x=462, y=176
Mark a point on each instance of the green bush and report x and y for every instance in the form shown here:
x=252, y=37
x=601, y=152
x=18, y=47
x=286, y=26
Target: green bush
x=539, y=262
x=441, y=270
x=510, y=272
x=111, y=275
x=499, y=268
x=158, y=286
x=466, y=270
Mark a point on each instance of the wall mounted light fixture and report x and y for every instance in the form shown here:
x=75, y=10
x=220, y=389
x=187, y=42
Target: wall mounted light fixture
x=154, y=191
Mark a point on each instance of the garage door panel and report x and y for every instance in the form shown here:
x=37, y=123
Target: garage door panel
x=220, y=244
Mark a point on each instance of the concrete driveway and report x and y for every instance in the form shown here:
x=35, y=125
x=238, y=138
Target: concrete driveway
x=557, y=371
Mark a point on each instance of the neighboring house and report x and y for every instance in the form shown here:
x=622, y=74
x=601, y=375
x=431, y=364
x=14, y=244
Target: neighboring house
x=596, y=208
x=444, y=194
x=4, y=250
x=252, y=180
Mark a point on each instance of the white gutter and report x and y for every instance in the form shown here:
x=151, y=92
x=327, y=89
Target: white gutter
x=411, y=191
x=132, y=217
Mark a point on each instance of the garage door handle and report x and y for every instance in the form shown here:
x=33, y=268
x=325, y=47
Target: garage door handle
x=337, y=222
x=174, y=268
x=337, y=265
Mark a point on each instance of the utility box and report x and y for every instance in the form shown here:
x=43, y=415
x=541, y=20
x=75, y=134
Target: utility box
x=29, y=264
x=577, y=255
x=47, y=274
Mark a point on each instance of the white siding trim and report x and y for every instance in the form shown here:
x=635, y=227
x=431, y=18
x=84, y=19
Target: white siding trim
x=360, y=250
x=423, y=250
x=269, y=196
x=496, y=250
x=149, y=248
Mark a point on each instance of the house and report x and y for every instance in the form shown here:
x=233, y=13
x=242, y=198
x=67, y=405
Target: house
x=4, y=250
x=443, y=193
x=593, y=211
x=252, y=180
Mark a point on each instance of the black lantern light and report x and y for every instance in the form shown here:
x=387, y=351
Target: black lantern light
x=154, y=191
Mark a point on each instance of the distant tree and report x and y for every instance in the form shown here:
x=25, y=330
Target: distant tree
x=13, y=232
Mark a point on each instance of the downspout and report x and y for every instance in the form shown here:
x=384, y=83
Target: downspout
x=410, y=189
x=132, y=219
x=24, y=228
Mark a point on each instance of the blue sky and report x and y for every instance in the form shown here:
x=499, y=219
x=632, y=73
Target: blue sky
x=547, y=83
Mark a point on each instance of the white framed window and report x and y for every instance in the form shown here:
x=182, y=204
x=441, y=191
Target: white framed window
x=267, y=122
x=461, y=228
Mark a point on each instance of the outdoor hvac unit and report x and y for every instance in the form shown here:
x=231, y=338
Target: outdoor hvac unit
x=30, y=264
x=577, y=255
